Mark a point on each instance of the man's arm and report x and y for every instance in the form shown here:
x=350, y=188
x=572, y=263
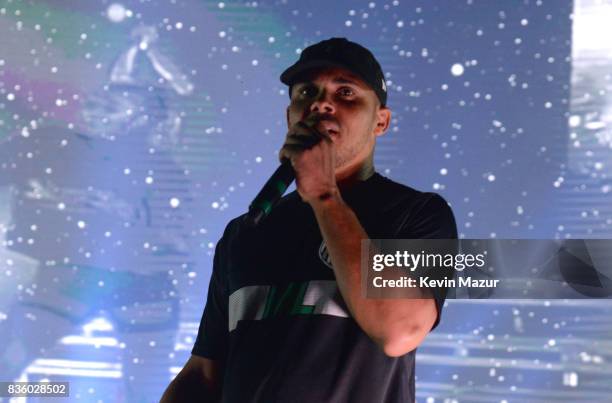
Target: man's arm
x=396, y=325
x=199, y=380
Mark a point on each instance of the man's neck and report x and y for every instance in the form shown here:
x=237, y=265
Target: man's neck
x=347, y=178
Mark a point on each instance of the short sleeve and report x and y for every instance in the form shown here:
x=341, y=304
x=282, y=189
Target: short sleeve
x=431, y=218
x=212, y=339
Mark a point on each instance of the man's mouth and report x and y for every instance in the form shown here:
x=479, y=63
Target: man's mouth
x=324, y=124
x=328, y=127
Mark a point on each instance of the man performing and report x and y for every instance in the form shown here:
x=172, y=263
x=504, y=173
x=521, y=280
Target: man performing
x=286, y=319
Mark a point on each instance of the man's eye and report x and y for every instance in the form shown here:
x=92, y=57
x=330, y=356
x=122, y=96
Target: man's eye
x=307, y=92
x=346, y=92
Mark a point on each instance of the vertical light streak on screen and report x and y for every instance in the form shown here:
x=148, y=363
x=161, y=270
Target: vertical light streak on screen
x=586, y=191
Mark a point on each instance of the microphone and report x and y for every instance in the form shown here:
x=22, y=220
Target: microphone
x=270, y=193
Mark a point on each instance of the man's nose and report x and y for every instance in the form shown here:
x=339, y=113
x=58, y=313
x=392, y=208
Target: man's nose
x=322, y=103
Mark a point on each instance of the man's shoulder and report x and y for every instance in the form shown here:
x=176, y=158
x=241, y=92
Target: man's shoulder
x=414, y=213
x=391, y=187
x=392, y=193
x=285, y=209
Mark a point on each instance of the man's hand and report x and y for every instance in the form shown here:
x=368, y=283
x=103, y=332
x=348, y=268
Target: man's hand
x=312, y=154
x=199, y=380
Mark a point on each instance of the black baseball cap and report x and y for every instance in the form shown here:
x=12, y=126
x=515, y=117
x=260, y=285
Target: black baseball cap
x=340, y=52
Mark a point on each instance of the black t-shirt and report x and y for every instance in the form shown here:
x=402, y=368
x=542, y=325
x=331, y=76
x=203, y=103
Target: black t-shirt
x=275, y=319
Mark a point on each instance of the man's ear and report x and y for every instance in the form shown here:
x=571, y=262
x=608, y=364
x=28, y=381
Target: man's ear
x=383, y=120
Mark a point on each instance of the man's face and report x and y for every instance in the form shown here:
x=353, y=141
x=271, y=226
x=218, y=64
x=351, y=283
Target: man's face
x=348, y=109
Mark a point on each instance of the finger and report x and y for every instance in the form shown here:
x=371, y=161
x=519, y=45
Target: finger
x=312, y=120
x=294, y=148
x=289, y=151
x=302, y=130
x=310, y=126
x=306, y=140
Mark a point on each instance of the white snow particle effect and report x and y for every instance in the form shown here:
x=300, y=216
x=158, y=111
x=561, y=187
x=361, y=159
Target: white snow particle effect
x=81, y=224
x=574, y=121
x=10, y=96
x=174, y=202
x=570, y=379
x=116, y=12
x=457, y=69
x=491, y=178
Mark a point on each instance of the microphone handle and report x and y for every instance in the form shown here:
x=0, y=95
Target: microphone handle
x=270, y=193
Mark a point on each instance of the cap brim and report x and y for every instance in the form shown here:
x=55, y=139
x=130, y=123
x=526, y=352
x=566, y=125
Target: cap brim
x=292, y=74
